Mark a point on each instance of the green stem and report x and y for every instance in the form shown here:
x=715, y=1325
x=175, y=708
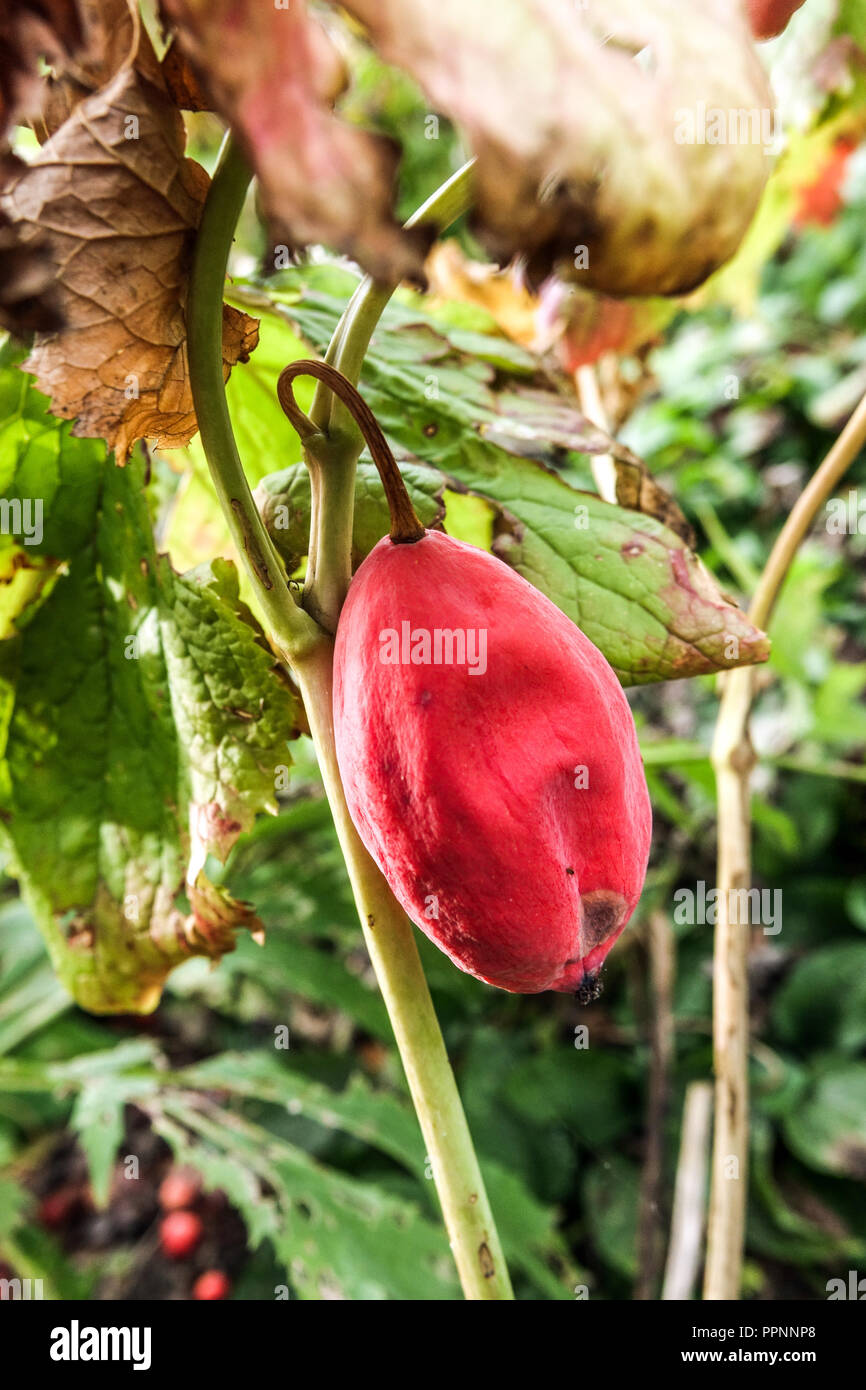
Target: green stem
x=309, y=652
x=391, y=945
x=333, y=476
x=291, y=629
x=352, y=335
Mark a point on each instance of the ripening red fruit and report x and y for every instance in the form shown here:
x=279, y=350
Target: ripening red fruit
x=179, y=1234
x=211, y=1285
x=502, y=795
x=487, y=751
x=179, y=1189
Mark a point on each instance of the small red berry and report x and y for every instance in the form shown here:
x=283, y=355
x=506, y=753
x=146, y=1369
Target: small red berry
x=179, y=1189
x=211, y=1285
x=180, y=1233
x=57, y=1207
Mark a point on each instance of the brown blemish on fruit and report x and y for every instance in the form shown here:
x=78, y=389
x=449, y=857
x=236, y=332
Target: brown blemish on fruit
x=631, y=548
x=485, y=1259
x=602, y=913
x=431, y=429
x=371, y=921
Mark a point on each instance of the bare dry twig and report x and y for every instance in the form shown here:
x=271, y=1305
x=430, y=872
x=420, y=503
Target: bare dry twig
x=687, y=1220
x=733, y=759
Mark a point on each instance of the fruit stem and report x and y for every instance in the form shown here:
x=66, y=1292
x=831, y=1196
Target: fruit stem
x=308, y=651
x=332, y=472
x=348, y=346
x=405, y=526
x=391, y=945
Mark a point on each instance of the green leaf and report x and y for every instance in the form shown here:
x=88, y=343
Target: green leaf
x=828, y=1129
x=591, y=1094
x=97, y=1119
x=526, y=1226
x=337, y=1237
x=610, y=1195
x=142, y=720
x=775, y=1227
x=630, y=583
x=283, y=499
x=822, y=1004
x=14, y=1202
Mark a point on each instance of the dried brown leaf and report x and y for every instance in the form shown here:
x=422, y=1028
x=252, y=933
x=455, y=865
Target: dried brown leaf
x=181, y=81
x=113, y=37
x=637, y=489
x=29, y=31
x=118, y=204
x=28, y=298
x=274, y=74
x=451, y=275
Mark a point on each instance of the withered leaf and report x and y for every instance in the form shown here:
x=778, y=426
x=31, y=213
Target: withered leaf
x=181, y=81
x=273, y=73
x=637, y=489
x=586, y=124
x=31, y=30
x=113, y=37
x=118, y=204
x=28, y=297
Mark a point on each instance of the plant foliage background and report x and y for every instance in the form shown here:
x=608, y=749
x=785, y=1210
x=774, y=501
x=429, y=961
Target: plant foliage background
x=317, y=1183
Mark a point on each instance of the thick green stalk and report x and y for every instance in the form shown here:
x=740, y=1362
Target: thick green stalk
x=290, y=628
x=465, y=1206
x=308, y=651
x=333, y=481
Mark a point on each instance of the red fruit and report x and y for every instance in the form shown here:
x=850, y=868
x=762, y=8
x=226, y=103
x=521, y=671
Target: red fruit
x=211, y=1285
x=179, y=1189
x=180, y=1233
x=465, y=785
x=499, y=787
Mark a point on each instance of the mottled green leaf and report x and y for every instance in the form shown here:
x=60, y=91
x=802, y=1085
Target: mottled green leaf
x=141, y=721
x=631, y=583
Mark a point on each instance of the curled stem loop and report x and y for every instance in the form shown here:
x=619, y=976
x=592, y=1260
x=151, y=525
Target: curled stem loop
x=405, y=526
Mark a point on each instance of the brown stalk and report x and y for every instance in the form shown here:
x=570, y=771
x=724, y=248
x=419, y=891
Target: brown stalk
x=733, y=759
x=405, y=526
